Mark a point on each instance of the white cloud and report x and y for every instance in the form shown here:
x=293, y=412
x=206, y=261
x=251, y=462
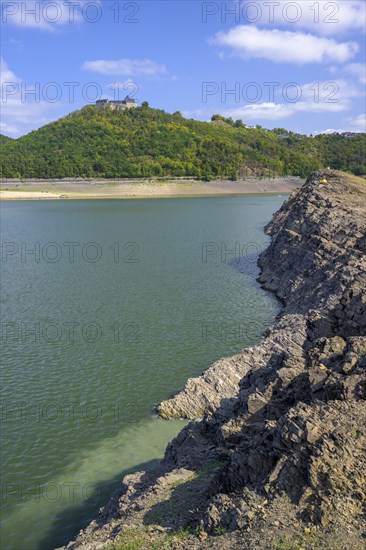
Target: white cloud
x=47, y=15
x=7, y=129
x=358, y=123
x=125, y=85
x=266, y=111
x=118, y=90
x=6, y=75
x=26, y=106
x=26, y=115
x=330, y=91
x=312, y=97
x=284, y=46
x=358, y=70
x=21, y=112
x=279, y=111
x=321, y=17
x=125, y=67
x=261, y=111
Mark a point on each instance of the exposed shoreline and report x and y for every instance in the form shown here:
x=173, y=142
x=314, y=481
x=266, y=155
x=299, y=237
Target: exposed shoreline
x=279, y=453
x=55, y=190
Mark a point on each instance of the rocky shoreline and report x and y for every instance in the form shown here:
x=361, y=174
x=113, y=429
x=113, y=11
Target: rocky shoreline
x=278, y=458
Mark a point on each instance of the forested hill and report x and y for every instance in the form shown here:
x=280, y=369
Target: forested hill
x=4, y=139
x=145, y=142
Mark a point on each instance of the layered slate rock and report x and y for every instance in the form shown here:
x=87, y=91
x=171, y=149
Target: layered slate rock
x=316, y=264
x=279, y=455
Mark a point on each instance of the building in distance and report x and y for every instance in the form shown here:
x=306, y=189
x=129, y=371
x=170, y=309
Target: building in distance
x=127, y=103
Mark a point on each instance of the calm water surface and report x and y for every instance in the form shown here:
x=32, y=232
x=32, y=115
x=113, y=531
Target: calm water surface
x=107, y=308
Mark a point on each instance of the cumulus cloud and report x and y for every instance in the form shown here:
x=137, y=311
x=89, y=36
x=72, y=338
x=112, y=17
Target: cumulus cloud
x=321, y=17
x=355, y=69
x=21, y=112
x=358, y=123
x=267, y=111
x=284, y=46
x=125, y=67
x=46, y=15
x=279, y=111
x=261, y=111
x=358, y=70
x=312, y=97
x=8, y=129
x=6, y=75
x=19, y=117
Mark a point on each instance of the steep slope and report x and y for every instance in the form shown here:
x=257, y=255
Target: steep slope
x=279, y=456
x=147, y=142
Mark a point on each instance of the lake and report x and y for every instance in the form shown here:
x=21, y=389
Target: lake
x=107, y=308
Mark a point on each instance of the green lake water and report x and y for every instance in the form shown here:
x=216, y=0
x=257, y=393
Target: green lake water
x=107, y=308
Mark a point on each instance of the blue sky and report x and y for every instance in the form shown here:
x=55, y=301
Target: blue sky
x=293, y=64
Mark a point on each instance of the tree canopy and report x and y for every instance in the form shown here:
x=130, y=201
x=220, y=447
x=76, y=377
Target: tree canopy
x=146, y=142
x=4, y=139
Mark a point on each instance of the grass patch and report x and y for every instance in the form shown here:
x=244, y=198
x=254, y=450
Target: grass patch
x=352, y=177
x=207, y=468
x=284, y=543
x=306, y=540
x=219, y=530
x=131, y=539
x=139, y=538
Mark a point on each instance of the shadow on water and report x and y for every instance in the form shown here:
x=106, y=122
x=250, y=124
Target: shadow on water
x=69, y=522
x=247, y=265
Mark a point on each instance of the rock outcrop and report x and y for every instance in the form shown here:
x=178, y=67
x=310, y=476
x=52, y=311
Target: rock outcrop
x=279, y=453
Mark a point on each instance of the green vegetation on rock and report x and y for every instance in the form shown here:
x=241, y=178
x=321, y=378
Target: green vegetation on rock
x=146, y=142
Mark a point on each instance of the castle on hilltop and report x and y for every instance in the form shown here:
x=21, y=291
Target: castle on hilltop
x=127, y=103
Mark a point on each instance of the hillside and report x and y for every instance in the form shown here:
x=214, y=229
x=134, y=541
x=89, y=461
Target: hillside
x=145, y=142
x=278, y=458
x=4, y=139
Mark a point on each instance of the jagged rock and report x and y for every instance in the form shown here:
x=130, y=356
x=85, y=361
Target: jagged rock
x=282, y=437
